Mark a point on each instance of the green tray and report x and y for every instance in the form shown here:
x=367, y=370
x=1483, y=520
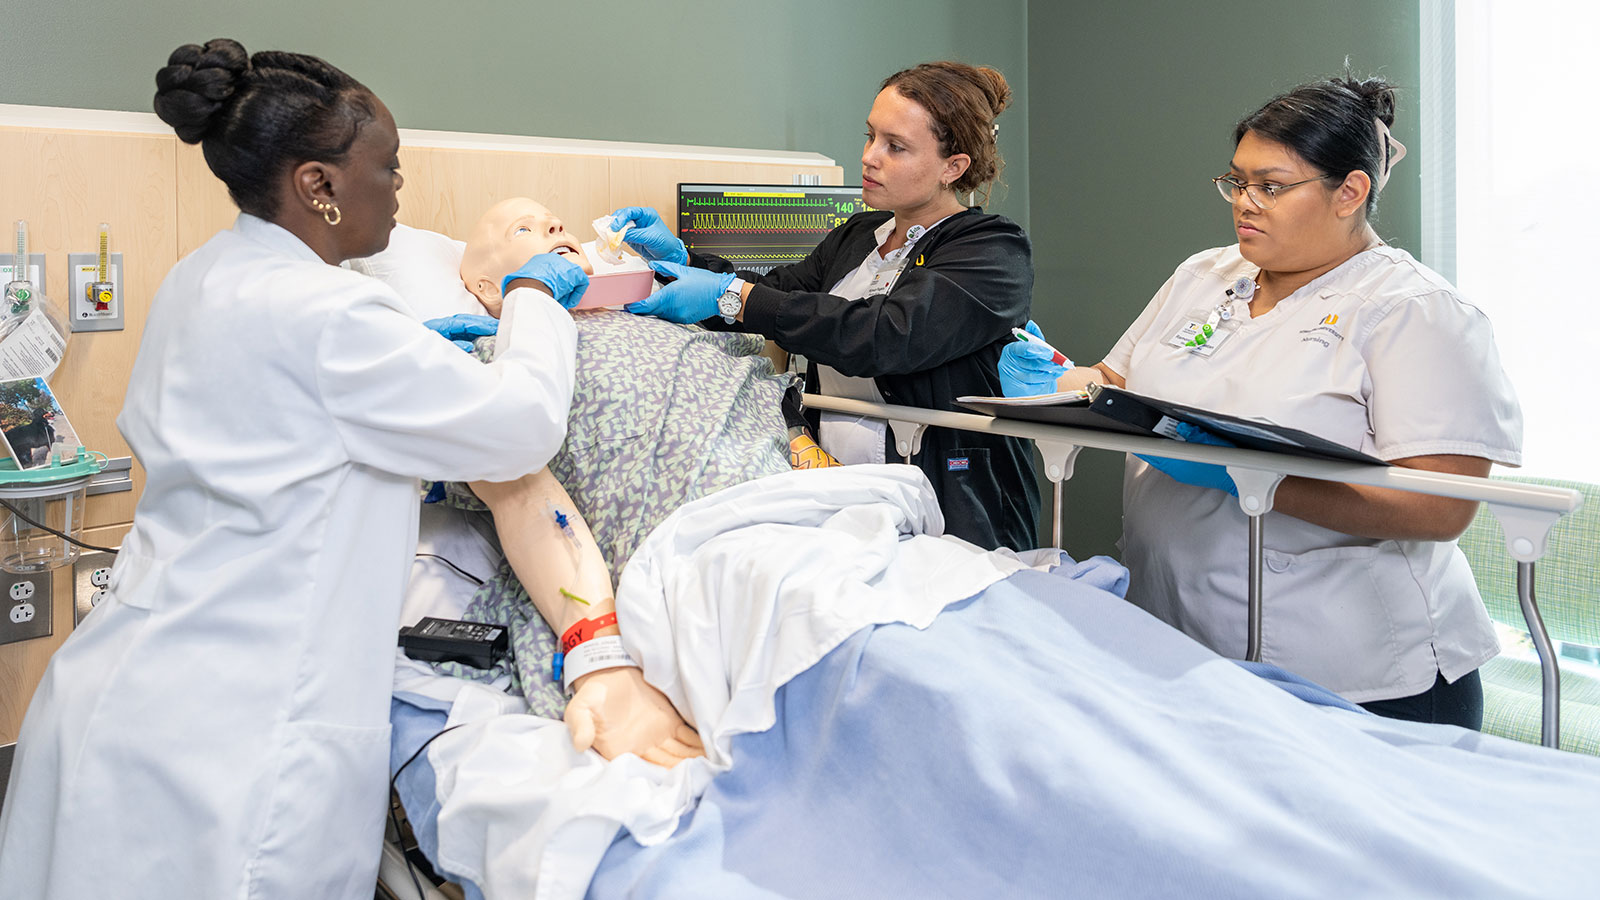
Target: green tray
x=86, y=463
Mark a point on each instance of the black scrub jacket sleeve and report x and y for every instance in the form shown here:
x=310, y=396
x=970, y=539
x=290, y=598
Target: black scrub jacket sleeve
x=968, y=283
x=935, y=336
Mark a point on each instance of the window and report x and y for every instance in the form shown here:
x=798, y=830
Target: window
x=1511, y=203
x=1511, y=215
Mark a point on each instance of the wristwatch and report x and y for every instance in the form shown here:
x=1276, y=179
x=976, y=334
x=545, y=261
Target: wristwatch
x=731, y=303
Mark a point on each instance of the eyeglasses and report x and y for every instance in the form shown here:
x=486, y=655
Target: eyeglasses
x=1262, y=195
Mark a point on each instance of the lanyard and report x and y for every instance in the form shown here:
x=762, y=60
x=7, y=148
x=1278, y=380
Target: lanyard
x=895, y=263
x=1243, y=288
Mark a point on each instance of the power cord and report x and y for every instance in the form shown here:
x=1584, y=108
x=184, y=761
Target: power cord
x=393, y=817
x=66, y=537
x=459, y=571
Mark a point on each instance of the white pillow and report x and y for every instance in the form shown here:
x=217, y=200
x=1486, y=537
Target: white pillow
x=424, y=268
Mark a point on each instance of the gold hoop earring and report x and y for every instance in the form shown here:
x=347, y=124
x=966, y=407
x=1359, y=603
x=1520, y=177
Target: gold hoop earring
x=330, y=212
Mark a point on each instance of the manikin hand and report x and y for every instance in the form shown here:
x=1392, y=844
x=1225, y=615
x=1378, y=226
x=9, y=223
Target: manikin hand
x=616, y=712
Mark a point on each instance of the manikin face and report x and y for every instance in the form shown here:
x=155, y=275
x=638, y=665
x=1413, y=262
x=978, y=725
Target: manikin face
x=901, y=167
x=509, y=234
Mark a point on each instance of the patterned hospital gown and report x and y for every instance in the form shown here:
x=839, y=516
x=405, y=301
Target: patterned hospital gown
x=662, y=414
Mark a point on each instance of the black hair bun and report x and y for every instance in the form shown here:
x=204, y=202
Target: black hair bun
x=1378, y=94
x=196, y=84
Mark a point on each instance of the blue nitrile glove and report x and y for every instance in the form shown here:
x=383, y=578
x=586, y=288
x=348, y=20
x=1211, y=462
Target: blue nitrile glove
x=691, y=297
x=1026, y=369
x=462, y=328
x=649, y=235
x=1199, y=474
x=564, y=278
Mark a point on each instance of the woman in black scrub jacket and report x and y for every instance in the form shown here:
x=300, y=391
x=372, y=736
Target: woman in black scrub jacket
x=909, y=304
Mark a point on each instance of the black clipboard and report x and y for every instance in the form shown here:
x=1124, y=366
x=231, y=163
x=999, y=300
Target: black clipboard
x=1114, y=409
x=1149, y=415
x=1075, y=413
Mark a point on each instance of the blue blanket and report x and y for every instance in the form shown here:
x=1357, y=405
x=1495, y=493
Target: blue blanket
x=1046, y=738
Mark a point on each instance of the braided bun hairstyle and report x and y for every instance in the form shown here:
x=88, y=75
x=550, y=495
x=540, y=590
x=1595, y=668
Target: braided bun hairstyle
x=257, y=117
x=963, y=101
x=1329, y=123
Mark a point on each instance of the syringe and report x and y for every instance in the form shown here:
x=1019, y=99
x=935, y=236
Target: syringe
x=19, y=292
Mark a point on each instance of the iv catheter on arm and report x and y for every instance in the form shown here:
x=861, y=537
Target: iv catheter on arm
x=554, y=555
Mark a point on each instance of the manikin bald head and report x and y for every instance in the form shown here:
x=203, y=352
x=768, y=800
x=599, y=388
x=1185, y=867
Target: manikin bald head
x=511, y=233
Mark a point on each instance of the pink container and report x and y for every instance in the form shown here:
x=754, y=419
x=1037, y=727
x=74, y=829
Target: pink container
x=616, y=289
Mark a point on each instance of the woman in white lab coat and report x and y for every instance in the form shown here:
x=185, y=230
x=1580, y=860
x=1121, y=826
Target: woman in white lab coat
x=1316, y=324
x=218, y=727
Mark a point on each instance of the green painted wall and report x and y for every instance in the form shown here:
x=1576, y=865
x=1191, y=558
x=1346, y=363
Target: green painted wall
x=771, y=74
x=1123, y=111
x=1132, y=108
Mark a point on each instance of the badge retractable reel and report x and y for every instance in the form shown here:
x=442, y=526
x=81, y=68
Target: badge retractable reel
x=1202, y=336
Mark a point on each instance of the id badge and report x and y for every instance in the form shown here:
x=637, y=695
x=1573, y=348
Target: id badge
x=1196, y=335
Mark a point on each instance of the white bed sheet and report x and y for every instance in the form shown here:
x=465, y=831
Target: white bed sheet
x=725, y=602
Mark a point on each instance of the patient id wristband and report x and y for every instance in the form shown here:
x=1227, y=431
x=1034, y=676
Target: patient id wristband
x=584, y=630
x=592, y=656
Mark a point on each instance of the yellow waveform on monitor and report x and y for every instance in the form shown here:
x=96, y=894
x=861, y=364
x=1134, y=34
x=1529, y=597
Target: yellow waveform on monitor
x=765, y=221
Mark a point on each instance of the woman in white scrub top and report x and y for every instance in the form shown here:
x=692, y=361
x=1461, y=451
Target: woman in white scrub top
x=1347, y=338
x=218, y=727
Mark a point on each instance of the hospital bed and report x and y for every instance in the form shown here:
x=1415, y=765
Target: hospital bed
x=1163, y=767
x=1526, y=512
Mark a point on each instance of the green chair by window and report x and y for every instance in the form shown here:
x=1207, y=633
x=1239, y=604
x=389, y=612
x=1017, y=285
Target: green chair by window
x=1567, y=587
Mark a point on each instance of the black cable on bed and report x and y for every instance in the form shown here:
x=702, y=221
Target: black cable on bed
x=395, y=819
x=459, y=571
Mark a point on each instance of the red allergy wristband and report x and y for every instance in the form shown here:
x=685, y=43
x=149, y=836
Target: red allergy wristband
x=584, y=629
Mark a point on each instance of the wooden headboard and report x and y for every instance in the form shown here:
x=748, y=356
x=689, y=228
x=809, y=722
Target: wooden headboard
x=68, y=170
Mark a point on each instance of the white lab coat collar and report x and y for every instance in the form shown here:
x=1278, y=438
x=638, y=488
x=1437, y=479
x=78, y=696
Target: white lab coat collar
x=273, y=236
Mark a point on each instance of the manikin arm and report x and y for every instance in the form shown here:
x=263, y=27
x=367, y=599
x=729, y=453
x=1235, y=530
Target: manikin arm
x=614, y=710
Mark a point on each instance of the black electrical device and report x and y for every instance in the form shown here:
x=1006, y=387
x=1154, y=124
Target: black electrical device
x=450, y=640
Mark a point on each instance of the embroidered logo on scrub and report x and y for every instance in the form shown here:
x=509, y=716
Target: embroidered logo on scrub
x=1325, y=333
x=958, y=464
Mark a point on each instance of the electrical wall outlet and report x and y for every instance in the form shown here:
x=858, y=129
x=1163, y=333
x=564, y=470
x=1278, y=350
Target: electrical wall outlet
x=94, y=306
x=90, y=576
x=24, y=606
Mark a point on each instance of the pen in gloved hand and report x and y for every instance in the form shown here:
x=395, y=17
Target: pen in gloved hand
x=1059, y=358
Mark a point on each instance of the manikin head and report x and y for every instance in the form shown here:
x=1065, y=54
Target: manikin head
x=509, y=234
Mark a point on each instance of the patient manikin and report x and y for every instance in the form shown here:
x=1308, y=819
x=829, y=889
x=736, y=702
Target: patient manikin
x=662, y=414
x=511, y=233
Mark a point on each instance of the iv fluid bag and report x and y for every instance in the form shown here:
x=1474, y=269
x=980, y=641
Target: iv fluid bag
x=33, y=338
